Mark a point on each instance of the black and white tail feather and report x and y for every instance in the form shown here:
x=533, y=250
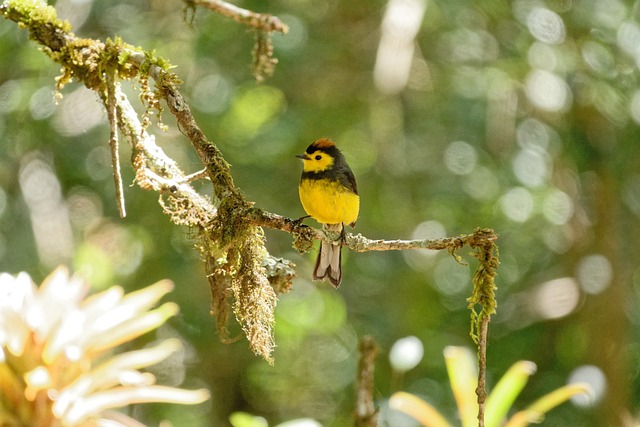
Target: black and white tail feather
x=329, y=261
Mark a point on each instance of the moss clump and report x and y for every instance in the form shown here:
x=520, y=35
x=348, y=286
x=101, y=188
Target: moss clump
x=483, y=282
x=238, y=277
x=82, y=59
x=33, y=14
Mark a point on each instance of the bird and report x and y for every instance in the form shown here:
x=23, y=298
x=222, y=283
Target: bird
x=329, y=194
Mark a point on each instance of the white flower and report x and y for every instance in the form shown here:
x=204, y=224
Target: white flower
x=56, y=367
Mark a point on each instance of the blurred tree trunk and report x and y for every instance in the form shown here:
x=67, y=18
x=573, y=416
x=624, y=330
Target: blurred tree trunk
x=604, y=314
x=607, y=320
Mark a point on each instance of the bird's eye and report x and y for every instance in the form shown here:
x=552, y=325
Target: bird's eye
x=318, y=157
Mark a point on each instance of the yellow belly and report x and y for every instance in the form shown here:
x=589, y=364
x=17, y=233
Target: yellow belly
x=329, y=202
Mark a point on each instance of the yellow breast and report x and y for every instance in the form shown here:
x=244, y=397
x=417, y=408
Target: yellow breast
x=329, y=202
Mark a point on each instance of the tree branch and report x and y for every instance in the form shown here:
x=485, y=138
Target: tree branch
x=113, y=142
x=481, y=390
x=264, y=62
x=259, y=21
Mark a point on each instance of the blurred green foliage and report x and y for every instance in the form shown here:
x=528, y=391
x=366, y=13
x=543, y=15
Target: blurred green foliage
x=520, y=116
x=463, y=376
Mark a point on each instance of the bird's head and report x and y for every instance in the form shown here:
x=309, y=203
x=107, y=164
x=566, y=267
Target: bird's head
x=321, y=155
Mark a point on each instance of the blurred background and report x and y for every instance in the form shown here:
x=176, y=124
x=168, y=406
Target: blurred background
x=519, y=116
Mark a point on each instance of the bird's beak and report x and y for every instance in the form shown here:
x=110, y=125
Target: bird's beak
x=303, y=156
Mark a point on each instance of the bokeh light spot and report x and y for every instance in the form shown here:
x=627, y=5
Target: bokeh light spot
x=468, y=45
x=295, y=39
x=98, y=163
x=42, y=192
x=42, y=104
x=481, y=184
x=597, y=381
x=598, y=58
x=211, y=94
x=450, y=277
x=531, y=167
x=557, y=298
x=547, y=91
x=594, y=273
x=629, y=37
x=557, y=207
x=251, y=110
x=79, y=112
x=406, y=353
x=460, y=158
x=608, y=13
x=429, y=230
x=532, y=133
x=74, y=11
x=85, y=208
x=11, y=93
x=517, y=204
x=559, y=238
x=546, y=25
x=399, y=28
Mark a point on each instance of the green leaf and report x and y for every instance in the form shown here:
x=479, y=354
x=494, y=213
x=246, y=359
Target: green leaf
x=463, y=376
x=506, y=392
x=418, y=409
x=535, y=412
x=243, y=419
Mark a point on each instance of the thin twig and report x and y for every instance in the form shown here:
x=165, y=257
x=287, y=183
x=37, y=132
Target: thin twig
x=113, y=142
x=259, y=21
x=481, y=391
x=360, y=243
x=366, y=414
x=484, y=296
x=197, y=175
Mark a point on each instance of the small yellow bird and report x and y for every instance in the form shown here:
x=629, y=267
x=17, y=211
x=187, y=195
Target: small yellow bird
x=329, y=194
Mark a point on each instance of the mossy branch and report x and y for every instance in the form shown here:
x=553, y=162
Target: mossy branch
x=259, y=21
x=243, y=277
x=483, y=295
x=264, y=24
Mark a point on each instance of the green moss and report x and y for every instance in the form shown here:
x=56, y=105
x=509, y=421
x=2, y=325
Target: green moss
x=82, y=59
x=33, y=13
x=483, y=283
x=238, y=272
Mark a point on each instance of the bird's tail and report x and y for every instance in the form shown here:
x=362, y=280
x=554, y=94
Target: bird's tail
x=329, y=262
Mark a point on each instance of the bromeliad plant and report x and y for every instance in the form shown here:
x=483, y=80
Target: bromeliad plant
x=57, y=361
x=461, y=366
